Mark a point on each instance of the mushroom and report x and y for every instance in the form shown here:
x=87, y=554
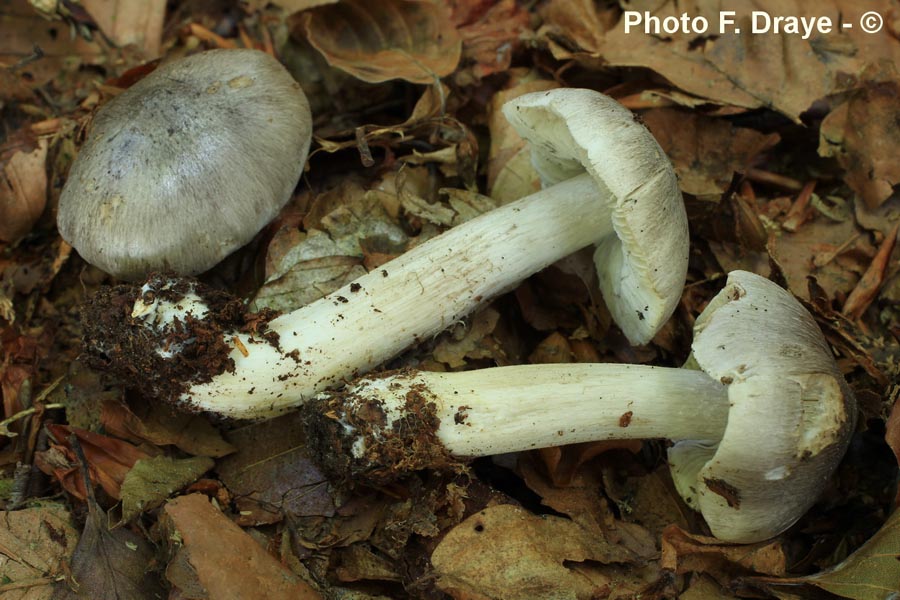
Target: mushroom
x=186, y=165
x=757, y=431
x=629, y=190
x=642, y=257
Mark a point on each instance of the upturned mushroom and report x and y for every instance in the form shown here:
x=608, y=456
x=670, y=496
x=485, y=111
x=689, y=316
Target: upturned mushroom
x=757, y=431
x=187, y=165
x=626, y=199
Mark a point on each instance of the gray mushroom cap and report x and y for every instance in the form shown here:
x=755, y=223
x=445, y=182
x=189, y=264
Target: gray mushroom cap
x=187, y=165
x=790, y=420
x=642, y=268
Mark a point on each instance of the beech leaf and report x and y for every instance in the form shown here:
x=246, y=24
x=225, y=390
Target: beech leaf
x=413, y=40
x=870, y=573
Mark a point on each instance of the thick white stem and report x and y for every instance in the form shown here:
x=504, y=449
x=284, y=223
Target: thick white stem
x=508, y=409
x=409, y=299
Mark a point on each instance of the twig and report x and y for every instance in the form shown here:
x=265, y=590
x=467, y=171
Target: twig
x=782, y=181
x=797, y=215
x=208, y=36
x=5, y=423
x=867, y=288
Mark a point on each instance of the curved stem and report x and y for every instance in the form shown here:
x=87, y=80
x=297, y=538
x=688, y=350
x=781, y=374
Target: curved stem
x=411, y=298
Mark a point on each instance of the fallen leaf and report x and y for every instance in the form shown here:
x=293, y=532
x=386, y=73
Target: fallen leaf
x=510, y=175
x=704, y=588
x=435, y=212
x=472, y=341
x=796, y=253
x=862, y=133
x=161, y=425
x=24, y=28
x=137, y=22
x=270, y=475
x=776, y=70
x=491, y=32
x=34, y=542
x=581, y=499
x=23, y=185
x=343, y=225
x=359, y=562
x=319, y=270
x=109, y=460
x=883, y=218
x=705, y=152
x=505, y=552
x=224, y=560
x=152, y=480
x=892, y=430
x=467, y=204
x=554, y=348
x=870, y=573
x=108, y=565
x=683, y=552
x=413, y=40
x=648, y=499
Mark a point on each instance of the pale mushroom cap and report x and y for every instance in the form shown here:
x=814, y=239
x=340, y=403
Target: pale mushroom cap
x=187, y=165
x=643, y=268
x=791, y=415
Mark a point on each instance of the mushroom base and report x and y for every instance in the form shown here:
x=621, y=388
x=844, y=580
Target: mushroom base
x=357, y=438
x=164, y=362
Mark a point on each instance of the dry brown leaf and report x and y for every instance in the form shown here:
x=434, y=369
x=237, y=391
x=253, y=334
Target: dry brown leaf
x=704, y=588
x=649, y=499
x=580, y=497
x=161, y=425
x=138, y=22
x=24, y=28
x=413, y=40
x=343, y=224
x=575, y=27
x=34, y=542
x=882, y=219
x=23, y=185
x=270, y=474
x=109, y=460
x=226, y=562
x=510, y=175
x=505, y=552
x=554, y=348
x=109, y=565
x=472, y=341
x=864, y=134
x=683, y=552
x=358, y=562
x=491, y=34
x=781, y=71
x=802, y=254
x=705, y=152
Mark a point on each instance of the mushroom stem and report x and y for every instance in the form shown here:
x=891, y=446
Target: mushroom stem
x=760, y=429
x=409, y=299
x=510, y=409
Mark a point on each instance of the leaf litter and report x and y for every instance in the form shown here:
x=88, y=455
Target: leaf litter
x=785, y=153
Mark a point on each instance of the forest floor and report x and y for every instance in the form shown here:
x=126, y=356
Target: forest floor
x=786, y=148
